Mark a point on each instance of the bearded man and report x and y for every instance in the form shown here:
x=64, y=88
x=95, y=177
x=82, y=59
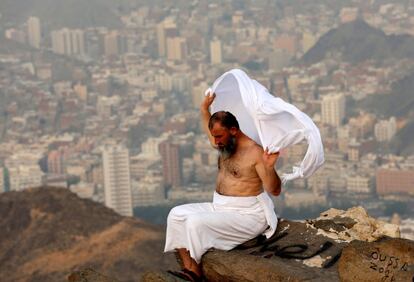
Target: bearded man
x=241, y=209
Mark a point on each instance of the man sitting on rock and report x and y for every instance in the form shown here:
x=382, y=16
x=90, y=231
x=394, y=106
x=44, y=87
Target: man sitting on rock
x=240, y=210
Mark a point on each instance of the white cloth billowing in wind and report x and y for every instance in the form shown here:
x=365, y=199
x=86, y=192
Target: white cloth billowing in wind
x=268, y=120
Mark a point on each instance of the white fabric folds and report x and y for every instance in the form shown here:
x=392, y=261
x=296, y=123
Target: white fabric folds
x=223, y=224
x=268, y=120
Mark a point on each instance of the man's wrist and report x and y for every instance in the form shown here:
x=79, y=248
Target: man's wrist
x=204, y=110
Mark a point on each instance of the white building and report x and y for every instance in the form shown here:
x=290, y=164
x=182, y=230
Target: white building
x=215, y=52
x=148, y=191
x=83, y=190
x=117, y=180
x=176, y=48
x=166, y=28
x=25, y=176
x=150, y=147
x=333, y=109
x=385, y=129
x=106, y=105
x=303, y=198
x=34, y=32
x=359, y=184
x=68, y=41
x=164, y=81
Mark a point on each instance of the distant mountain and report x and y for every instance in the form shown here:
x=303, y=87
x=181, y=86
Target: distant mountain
x=357, y=41
x=399, y=103
x=62, y=13
x=403, y=141
x=46, y=233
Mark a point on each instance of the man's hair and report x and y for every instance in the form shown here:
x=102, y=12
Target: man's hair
x=226, y=119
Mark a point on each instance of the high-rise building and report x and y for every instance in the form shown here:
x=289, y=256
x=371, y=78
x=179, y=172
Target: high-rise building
x=171, y=163
x=55, y=162
x=385, y=129
x=114, y=44
x=117, y=180
x=176, y=48
x=68, y=41
x=333, y=109
x=215, y=52
x=166, y=28
x=197, y=92
x=34, y=32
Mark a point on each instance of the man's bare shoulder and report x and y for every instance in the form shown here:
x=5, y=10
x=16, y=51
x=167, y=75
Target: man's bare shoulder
x=254, y=150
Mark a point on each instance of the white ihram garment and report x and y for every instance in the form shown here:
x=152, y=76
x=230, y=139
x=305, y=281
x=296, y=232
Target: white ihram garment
x=222, y=224
x=268, y=120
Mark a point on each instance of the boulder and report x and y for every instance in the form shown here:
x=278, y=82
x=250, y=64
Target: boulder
x=310, y=251
x=384, y=260
x=353, y=224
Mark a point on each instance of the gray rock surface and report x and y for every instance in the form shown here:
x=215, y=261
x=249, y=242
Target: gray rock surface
x=385, y=260
x=294, y=253
x=311, y=250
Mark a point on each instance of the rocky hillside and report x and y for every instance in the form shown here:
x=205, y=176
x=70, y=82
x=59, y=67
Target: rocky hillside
x=357, y=41
x=47, y=233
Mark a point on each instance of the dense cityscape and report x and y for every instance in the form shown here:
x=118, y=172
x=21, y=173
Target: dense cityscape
x=112, y=112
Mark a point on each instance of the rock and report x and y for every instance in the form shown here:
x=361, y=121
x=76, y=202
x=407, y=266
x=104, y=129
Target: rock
x=89, y=275
x=353, y=224
x=153, y=276
x=219, y=266
x=310, y=251
x=385, y=260
x=295, y=253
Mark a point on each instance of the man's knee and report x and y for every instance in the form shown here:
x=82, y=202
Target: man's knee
x=173, y=214
x=194, y=221
x=178, y=213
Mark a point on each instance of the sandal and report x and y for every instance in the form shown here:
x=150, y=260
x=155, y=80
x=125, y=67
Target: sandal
x=187, y=275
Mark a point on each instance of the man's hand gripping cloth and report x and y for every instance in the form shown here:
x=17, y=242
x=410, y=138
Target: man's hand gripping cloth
x=223, y=224
x=268, y=120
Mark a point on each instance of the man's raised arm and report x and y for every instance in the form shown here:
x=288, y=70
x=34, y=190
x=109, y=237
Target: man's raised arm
x=205, y=115
x=265, y=170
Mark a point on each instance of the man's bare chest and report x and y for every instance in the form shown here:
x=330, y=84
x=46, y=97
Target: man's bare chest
x=236, y=166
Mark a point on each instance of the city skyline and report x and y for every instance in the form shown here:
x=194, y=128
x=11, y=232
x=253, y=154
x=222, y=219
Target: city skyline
x=66, y=91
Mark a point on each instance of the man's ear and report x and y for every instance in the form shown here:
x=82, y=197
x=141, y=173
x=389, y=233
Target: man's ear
x=233, y=130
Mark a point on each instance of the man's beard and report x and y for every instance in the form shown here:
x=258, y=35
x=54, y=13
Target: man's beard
x=228, y=150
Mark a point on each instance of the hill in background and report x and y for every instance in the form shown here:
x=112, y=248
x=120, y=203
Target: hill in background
x=357, y=41
x=46, y=233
